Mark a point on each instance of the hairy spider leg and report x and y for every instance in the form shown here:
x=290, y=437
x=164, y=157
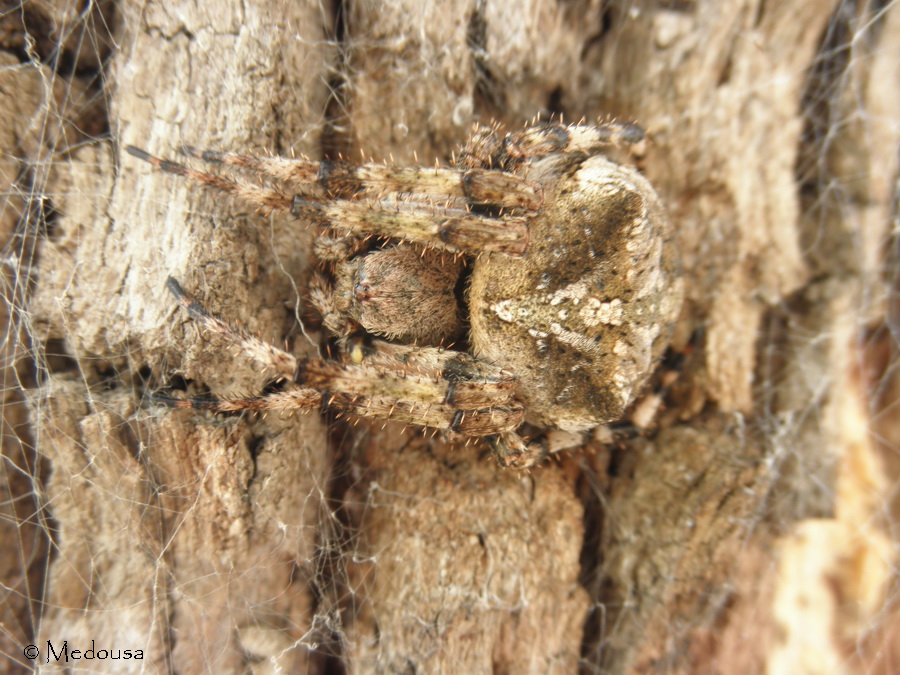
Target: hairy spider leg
x=488, y=148
x=589, y=139
x=273, y=358
x=451, y=228
x=454, y=230
x=265, y=199
x=357, y=398
x=291, y=399
x=343, y=179
x=426, y=386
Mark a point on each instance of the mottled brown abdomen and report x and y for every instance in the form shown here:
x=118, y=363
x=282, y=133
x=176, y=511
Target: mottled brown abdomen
x=581, y=318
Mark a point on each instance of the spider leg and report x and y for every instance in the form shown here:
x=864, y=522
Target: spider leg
x=427, y=386
x=342, y=179
x=471, y=423
x=448, y=227
x=455, y=378
x=278, y=360
x=291, y=398
x=583, y=138
x=266, y=199
x=488, y=148
x=334, y=313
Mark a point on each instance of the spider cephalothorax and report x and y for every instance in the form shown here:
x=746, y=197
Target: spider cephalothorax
x=571, y=287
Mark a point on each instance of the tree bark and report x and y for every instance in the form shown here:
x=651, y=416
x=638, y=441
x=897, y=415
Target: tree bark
x=725, y=536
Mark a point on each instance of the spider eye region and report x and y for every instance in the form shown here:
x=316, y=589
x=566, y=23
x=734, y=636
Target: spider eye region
x=362, y=292
x=582, y=318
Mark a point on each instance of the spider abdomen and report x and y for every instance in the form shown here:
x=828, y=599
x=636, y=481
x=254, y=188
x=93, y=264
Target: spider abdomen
x=581, y=317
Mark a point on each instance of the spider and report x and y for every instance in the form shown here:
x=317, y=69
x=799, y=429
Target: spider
x=552, y=264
